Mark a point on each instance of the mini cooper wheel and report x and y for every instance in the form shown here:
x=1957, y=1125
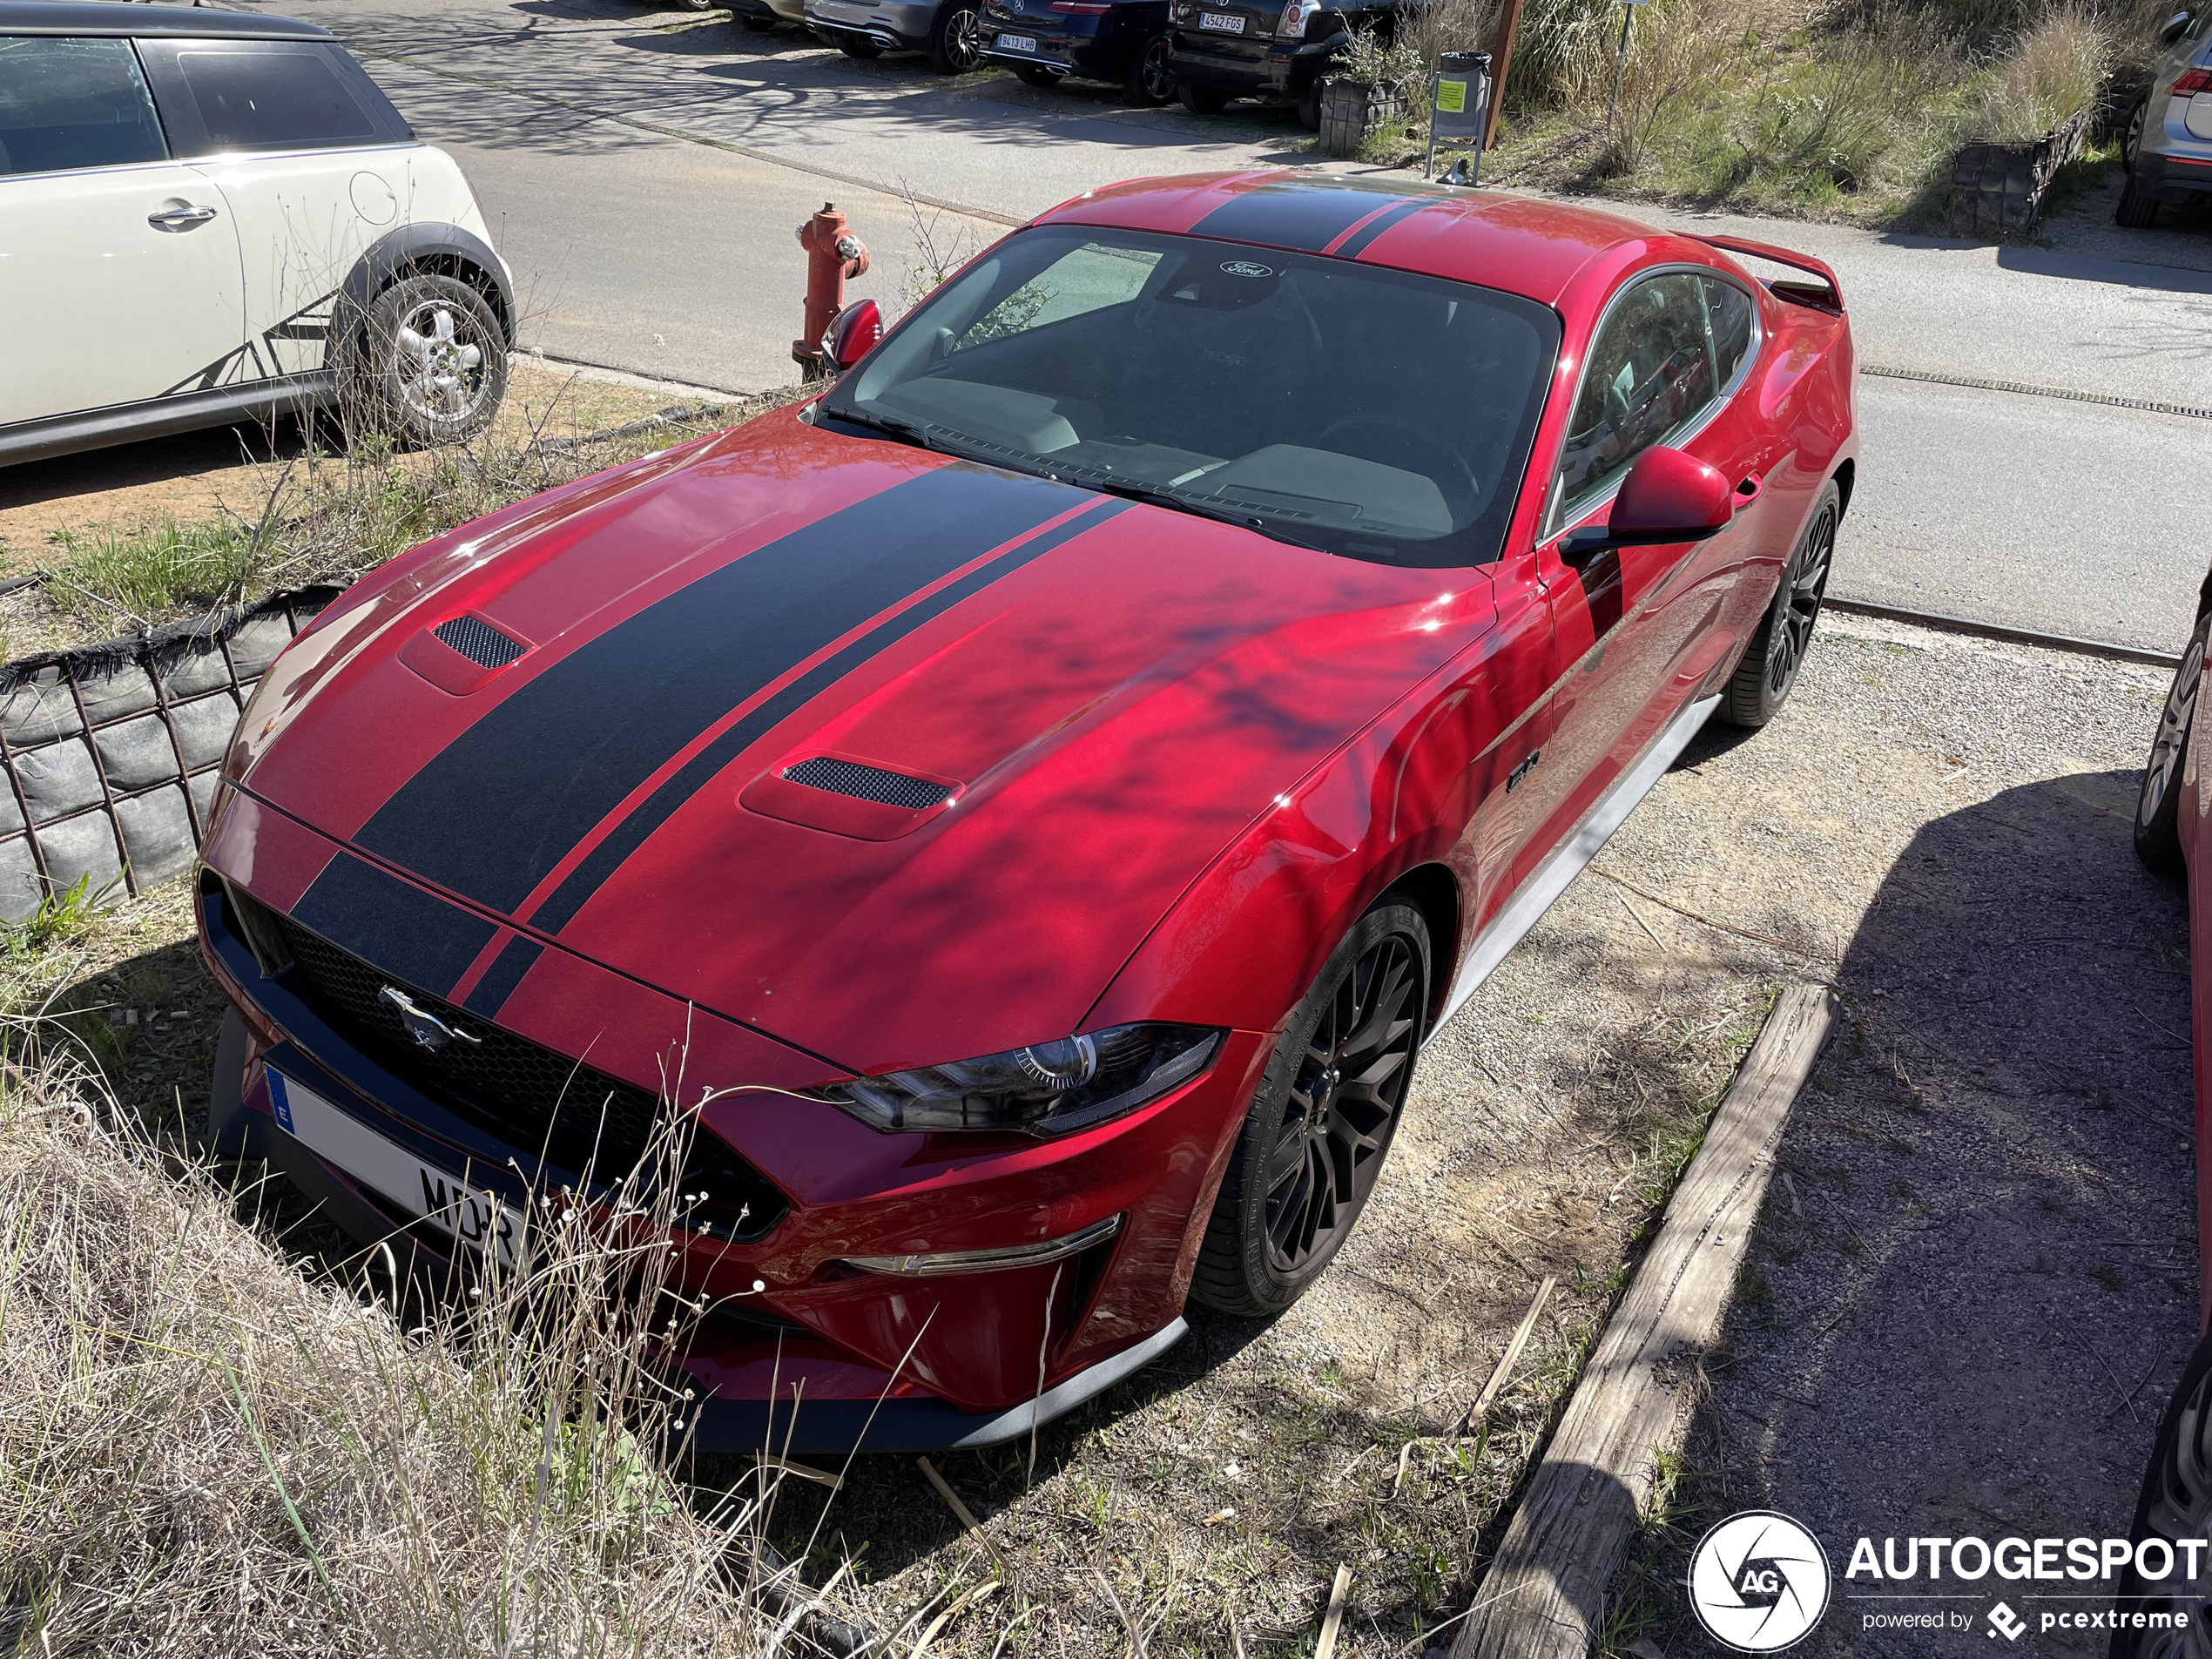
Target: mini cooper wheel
x=432, y=366
x=1150, y=82
x=956, y=39
x=2175, y=1503
x=2158, y=803
x=1320, y=1125
x=1761, y=681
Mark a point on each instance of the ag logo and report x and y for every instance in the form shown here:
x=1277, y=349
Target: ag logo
x=1758, y=1582
x=1248, y=269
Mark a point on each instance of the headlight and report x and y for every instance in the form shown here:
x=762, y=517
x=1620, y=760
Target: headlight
x=1047, y=1089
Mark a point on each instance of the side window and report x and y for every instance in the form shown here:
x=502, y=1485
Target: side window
x=1729, y=310
x=1649, y=374
x=67, y=103
x=262, y=96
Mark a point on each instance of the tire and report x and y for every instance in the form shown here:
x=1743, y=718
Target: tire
x=1150, y=82
x=956, y=39
x=1202, y=100
x=232, y=1131
x=431, y=364
x=2158, y=802
x=2138, y=208
x=865, y=51
x=1035, y=75
x=1309, y=1150
x=759, y=24
x=1762, y=679
x=2131, y=131
x=1309, y=108
x=2176, y=1502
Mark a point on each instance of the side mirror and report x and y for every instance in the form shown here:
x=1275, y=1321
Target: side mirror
x=853, y=334
x=1668, y=496
x=2174, y=28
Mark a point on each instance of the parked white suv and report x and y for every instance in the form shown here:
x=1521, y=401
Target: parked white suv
x=208, y=217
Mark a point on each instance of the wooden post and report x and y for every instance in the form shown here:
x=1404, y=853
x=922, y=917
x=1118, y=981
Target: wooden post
x=1544, y=1596
x=1501, y=61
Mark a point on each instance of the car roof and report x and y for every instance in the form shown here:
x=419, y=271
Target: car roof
x=119, y=18
x=1520, y=243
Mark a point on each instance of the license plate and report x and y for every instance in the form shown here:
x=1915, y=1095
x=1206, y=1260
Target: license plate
x=479, y=1220
x=1222, y=22
x=1017, y=43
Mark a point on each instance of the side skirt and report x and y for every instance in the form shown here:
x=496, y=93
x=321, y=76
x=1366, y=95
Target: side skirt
x=64, y=434
x=1526, y=906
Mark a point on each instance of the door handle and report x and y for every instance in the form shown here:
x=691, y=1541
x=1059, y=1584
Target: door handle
x=178, y=214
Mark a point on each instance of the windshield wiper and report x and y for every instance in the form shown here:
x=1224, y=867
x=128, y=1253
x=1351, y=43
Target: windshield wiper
x=890, y=426
x=1157, y=497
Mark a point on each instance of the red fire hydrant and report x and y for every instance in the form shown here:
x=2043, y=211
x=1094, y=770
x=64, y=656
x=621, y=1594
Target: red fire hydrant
x=834, y=256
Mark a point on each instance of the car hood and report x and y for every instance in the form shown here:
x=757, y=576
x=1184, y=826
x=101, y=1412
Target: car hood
x=1034, y=714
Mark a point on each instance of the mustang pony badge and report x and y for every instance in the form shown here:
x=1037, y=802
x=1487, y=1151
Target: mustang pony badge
x=428, y=1029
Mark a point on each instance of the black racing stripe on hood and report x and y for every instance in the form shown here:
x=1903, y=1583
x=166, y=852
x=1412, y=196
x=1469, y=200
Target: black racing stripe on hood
x=503, y=804
x=1305, y=217
x=516, y=957
x=562, y=904
x=397, y=927
x=1356, y=244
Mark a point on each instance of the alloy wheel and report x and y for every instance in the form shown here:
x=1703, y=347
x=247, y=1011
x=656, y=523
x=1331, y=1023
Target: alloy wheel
x=1803, y=585
x=1158, y=85
x=2172, y=741
x=2181, y=1508
x=2134, y=140
x=964, y=39
x=1343, y=1105
x=438, y=363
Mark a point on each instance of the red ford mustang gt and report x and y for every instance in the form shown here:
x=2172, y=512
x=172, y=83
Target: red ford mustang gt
x=1031, y=803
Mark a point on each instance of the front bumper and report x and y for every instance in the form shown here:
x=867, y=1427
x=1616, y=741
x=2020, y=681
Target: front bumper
x=894, y=28
x=915, y=1361
x=1244, y=68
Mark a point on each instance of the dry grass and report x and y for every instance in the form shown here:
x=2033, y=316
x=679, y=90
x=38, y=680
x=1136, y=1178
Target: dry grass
x=208, y=1453
x=2059, y=67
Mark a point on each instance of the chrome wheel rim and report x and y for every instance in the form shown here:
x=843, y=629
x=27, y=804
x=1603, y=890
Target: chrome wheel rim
x=439, y=361
x=1804, y=583
x=964, y=39
x=2172, y=741
x=2129, y=145
x=1343, y=1106
x=1158, y=85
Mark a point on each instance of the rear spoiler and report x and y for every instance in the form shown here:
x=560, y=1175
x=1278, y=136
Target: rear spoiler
x=1827, y=296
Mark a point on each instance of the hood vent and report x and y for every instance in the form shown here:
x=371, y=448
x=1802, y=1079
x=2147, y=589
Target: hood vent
x=480, y=642
x=866, y=783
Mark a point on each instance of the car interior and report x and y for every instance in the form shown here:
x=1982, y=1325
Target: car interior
x=1366, y=410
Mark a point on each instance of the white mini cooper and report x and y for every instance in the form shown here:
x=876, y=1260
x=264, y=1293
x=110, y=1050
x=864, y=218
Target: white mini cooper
x=207, y=217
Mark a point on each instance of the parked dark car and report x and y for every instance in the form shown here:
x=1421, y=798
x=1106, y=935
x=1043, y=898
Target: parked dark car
x=1046, y=41
x=1225, y=49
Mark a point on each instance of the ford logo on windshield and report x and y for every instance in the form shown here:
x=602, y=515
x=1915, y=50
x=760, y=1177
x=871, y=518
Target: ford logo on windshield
x=1248, y=269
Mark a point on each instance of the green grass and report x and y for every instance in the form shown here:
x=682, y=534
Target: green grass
x=133, y=579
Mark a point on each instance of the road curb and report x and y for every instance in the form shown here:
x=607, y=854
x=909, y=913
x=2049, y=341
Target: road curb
x=1943, y=622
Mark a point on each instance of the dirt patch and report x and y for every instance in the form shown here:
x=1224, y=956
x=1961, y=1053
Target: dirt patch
x=138, y=487
x=1936, y=826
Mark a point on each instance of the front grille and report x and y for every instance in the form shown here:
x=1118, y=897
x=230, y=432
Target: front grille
x=867, y=783
x=585, y=1122
x=480, y=642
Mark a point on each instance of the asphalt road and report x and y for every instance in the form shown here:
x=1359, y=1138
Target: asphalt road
x=644, y=168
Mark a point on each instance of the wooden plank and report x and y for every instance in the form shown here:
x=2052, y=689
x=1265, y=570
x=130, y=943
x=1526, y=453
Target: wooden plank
x=1544, y=1596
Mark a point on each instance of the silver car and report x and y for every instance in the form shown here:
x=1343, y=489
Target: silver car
x=2167, y=142
x=949, y=32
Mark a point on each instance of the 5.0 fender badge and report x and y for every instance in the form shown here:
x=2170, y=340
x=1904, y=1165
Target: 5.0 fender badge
x=426, y=1029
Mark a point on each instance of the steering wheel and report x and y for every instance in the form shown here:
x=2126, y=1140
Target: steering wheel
x=1454, y=464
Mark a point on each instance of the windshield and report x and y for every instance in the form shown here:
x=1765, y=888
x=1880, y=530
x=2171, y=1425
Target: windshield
x=1363, y=411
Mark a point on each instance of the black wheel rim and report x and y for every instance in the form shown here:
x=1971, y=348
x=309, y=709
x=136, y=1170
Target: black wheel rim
x=2180, y=1507
x=1343, y=1106
x=2168, y=747
x=964, y=39
x=1803, y=585
x=1152, y=72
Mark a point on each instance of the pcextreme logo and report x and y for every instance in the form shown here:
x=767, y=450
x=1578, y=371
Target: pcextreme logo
x=1758, y=1582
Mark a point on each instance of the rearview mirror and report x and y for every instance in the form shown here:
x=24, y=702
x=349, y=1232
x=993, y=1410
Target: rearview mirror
x=1668, y=496
x=853, y=332
x=2176, y=26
